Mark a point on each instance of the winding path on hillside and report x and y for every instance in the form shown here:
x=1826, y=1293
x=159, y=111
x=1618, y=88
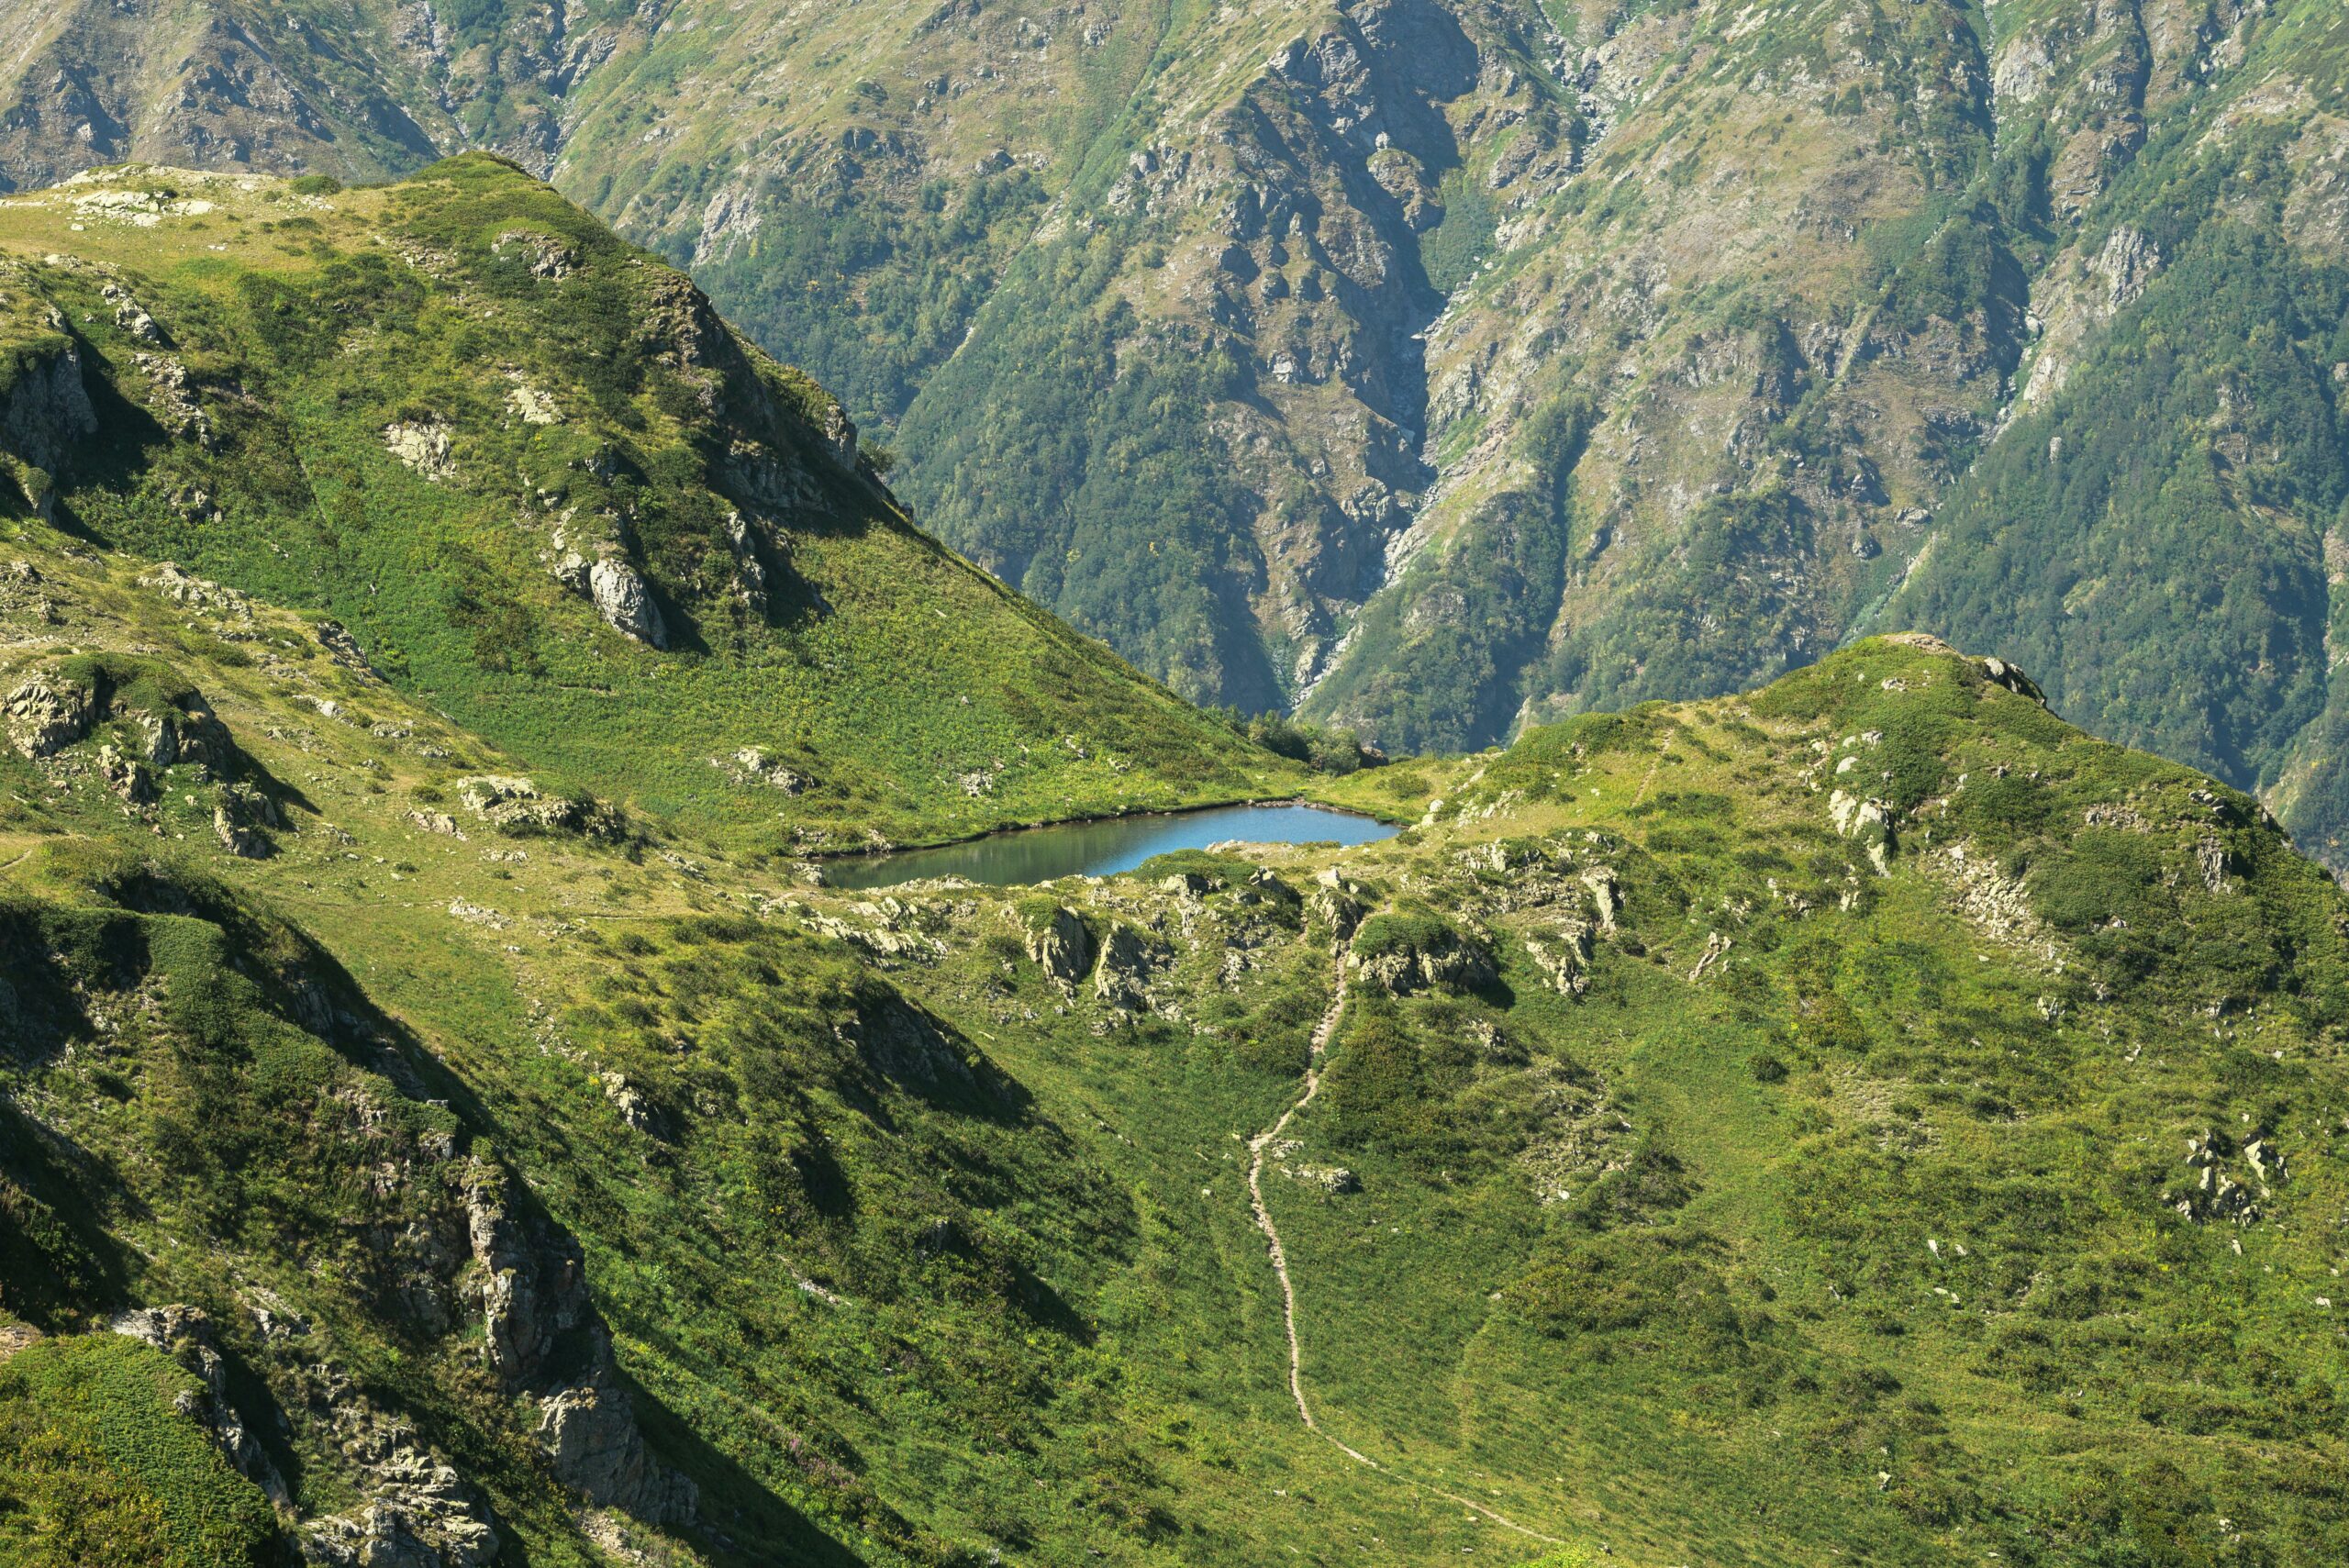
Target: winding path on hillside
x=1258, y=1148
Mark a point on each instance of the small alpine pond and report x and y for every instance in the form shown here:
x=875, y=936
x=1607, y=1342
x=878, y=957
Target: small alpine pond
x=1105, y=847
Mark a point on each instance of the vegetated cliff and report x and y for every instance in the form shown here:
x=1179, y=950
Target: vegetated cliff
x=1874, y=1069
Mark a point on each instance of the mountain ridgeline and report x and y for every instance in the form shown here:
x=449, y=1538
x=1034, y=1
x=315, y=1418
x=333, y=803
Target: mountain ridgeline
x=1434, y=367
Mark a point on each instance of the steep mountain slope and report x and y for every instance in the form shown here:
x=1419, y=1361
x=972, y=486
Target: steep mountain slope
x=538, y=481
x=1446, y=366
x=1869, y=1120
x=2158, y=526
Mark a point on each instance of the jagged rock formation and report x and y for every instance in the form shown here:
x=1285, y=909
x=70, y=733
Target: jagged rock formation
x=1059, y=942
x=542, y=1338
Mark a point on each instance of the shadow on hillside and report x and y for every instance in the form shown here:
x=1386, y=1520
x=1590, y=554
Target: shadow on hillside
x=56, y=1259
x=924, y=1056
x=739, y=1513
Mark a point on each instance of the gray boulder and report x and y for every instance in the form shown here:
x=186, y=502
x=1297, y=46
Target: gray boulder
x=625, y=602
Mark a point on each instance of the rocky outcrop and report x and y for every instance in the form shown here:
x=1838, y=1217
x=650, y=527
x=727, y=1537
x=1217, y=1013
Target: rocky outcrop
x=423, y=447
x=418, y=1513
x=49, y=712
x=1060, y=944
x=45, y=408
x=1867, y=820
x=165, y=722
x=126, y=776
x=238, y=818
x=1334, y=901
x=1127, y=959
x=518, y=805
x=542, y=1338
x=1563, y=955
x=185, y=1334
x=749, y=570
x=757, y=765
x=1401, y=954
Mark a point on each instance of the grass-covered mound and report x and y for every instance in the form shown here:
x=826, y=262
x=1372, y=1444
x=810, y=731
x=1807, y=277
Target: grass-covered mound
x=98, y=1464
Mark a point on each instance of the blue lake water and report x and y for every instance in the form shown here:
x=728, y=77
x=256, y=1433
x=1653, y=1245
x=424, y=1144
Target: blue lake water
x=1104, y=848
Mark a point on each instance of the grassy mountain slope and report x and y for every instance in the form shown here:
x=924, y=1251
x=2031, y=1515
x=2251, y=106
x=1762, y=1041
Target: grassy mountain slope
x=1711, y=1193
x=547, y=489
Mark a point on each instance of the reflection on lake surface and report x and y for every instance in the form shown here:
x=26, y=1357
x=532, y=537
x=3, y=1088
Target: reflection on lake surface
x=1103, y=849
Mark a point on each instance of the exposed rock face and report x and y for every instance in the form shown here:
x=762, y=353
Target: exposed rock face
x=48, y=713
x=1869, y=821
x=46, y=408
x=1999, y=672
x=1126, y=963
x=625, y=602
x=756, y=765
x=750, y=570
x=418, y=1515
x=126, y=776
x=590, y=1434
x=1437, y=958
x=1061, y=946
x=54, y=707
x=423, y=447
x=183, y=587
x=840, y=437
x=336, y=638
x=1563, y=955
x=1606, y=895
x=1332, y=902
x=238, y=818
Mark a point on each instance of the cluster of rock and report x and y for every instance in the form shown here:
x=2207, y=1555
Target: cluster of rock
x=893, y=928
x=2216, y=1194
x=423, y=446
x=238, y=817
x=1335, y=901
x=518, y=805
x=58, y=705
x=1337, y=1181
x=602, y=572
x=1562, y=951
x=755, y=765
x=1866, y=820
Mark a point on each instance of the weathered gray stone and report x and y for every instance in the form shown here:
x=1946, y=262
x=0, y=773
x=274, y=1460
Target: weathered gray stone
x=625, y=602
